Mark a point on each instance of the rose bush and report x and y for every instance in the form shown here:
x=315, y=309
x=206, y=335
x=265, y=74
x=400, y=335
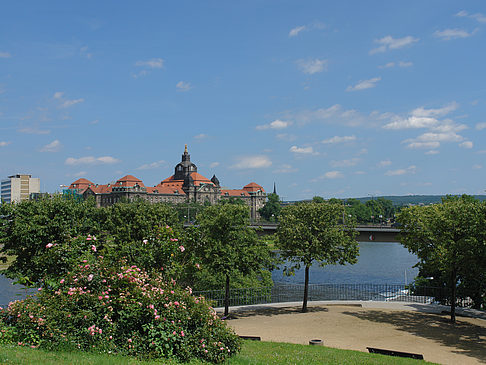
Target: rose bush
x=121, y=309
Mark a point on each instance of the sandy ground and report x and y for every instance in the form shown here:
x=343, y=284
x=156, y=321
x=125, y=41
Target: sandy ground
x=357, y=325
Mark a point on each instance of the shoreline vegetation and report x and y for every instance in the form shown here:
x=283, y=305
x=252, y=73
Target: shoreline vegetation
x=253, y=352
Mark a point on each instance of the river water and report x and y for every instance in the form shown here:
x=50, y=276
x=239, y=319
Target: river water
x=378, y=263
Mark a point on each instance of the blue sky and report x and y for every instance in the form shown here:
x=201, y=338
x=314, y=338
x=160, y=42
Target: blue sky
x=337, y=99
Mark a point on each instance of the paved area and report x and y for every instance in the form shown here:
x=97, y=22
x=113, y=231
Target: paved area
x=407, y=327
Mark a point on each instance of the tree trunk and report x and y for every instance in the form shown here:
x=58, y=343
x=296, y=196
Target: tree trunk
x=226, y=295
x=453, y=295
x=306, y=289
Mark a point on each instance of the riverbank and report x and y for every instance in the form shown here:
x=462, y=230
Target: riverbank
x=406, y=327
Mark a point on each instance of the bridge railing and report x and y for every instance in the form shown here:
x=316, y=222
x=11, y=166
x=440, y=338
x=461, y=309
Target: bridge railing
x=283, y=292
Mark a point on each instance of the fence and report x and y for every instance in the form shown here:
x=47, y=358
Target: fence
x=282, y=292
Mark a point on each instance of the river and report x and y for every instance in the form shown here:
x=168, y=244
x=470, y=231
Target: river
x=378, y=263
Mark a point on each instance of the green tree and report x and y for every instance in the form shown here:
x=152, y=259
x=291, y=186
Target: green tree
x=449, y=239
x=313, y=232
x=318, y=199
x=271, y=209
x=228, y=245
x=32, y=225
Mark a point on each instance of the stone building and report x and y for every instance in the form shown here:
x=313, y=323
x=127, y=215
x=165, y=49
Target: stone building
x=186, y=185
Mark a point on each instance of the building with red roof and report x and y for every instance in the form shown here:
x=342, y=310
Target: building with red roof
x=186, y=185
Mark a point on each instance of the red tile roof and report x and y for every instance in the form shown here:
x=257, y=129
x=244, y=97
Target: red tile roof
x=130, y=181
x=81, y=184
x=100, y=189
x=234, y=192
x=253, y=187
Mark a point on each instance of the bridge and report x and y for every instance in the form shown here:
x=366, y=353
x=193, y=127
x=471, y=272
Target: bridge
x=371, y=233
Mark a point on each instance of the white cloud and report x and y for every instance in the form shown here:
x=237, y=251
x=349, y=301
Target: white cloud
x=405, y=64
x=409, y=170
x=384, y=163
x=302, y=150
x=183, y=86
x=276, y=124
x=69, y=103
x=432, y=152
x=285, y=169
x=333, y=175
x=153, y=165
x=312, y=66
x=477, y=167
x=345, y=163
x=66, y=103
x=480, y=126
x=449, y=34
x=419, y=145
x=90, y=160
x=201, y=136
x=54, y=146
x=96, y=121
x=364, y=84
x=4, y=143
x=338, y=139
x=421, y=118
x=33, y=130
x=388, y=43
x=295, y=31
x=399, y=64
x=252, y=162
x=478, y=16
x=5, y=55
x=152, y=63
x=214, y=164
x=466, y=144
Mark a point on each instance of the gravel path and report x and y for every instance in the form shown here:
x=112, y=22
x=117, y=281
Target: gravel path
x=407, y=327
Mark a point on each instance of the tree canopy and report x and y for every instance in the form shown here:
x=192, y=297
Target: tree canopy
x=228, y=245
x=271, y=209
x=313, y=232
x=450, y=241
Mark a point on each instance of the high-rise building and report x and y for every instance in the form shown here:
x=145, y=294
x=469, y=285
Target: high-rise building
x=19, y=187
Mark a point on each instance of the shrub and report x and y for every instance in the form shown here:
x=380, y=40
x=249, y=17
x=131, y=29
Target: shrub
x=123, y=310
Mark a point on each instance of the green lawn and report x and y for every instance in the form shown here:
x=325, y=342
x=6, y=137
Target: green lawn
x=253, y=352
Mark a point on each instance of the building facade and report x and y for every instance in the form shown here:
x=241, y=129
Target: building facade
x=19, y=187
x=185, y=185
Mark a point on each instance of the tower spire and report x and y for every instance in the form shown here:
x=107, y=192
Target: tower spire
x=274, y=188
x=185, y=148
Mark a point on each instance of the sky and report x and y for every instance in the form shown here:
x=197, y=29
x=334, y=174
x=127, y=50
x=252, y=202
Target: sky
x=324, y=98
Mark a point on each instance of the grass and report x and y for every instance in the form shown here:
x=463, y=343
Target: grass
x=253, y=353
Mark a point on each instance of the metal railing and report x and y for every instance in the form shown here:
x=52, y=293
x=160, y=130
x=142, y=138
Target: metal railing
x=283, y=292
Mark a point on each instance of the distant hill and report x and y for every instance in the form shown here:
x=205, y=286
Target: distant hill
x=415, y=199
x=406, y=199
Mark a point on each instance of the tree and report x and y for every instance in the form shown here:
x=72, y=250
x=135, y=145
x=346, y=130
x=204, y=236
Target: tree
x=32, y=225
x=449, y=239
x=228, y=245
x=314, y=232
x=271, y=209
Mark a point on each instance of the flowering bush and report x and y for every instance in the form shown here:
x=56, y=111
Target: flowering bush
x=120, y=309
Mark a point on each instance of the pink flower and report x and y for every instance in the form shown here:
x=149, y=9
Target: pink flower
x=49, y=245
x=174, y=239
x=129, y=340
x=145, y=242
x=182, y=248
x=90, y=277
x=182, y=333
x=93, y=247
x=62, y=281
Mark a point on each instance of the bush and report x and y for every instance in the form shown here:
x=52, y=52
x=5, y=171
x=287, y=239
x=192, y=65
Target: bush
x=120, y=310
